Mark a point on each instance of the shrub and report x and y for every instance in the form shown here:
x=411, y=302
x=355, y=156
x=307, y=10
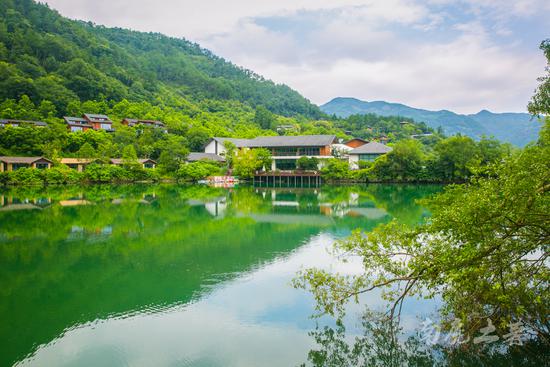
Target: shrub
x=198, y=170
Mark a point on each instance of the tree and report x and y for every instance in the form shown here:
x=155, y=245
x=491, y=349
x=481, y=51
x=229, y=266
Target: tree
x=307, y=163
x=264, y=118
x=484, y=251
x=404, y=163
x=455, y=157
x=540, y=103
x=336, y=169
x=86, y=151
x=247, y=161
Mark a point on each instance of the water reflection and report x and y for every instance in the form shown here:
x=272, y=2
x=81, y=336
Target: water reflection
x=171, y=275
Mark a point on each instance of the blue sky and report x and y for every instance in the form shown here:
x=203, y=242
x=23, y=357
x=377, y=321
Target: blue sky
x=437, y=54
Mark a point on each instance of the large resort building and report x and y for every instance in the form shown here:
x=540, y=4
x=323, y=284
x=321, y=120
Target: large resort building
x=285, y=150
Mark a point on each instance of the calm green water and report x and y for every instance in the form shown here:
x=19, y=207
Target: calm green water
x=174, y=276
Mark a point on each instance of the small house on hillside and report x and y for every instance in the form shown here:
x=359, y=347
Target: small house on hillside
x=21, y=123
x=77, y=123
x=152, y=123
x=14, y=163
x=78, y=164
x=367, y=152
x=98, y=121
x=145, y=162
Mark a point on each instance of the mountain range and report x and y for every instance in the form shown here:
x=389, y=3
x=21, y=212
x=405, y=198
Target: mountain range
x=516, y=128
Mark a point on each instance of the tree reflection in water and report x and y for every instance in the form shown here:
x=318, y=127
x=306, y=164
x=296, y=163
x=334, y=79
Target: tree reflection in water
x=382, y=343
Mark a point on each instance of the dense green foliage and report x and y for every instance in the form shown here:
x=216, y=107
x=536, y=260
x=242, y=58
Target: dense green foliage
x=248, y=161
x=452, y=159
x=61, y=174
x=199, y=170
x=48, y=57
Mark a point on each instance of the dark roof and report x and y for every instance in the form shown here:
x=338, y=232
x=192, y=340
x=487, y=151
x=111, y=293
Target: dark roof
x=10, y=121
x=97, y=117
x=193, y=157
x=76, y=121
x=142, y=160
x=239, y=143
x=372, y=148
x=23, y=160
x=145, y=122
x=69, y=119
x=283, y=141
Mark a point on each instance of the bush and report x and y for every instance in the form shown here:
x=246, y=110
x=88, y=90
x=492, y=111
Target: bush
x=336, y=169
x=198, y=170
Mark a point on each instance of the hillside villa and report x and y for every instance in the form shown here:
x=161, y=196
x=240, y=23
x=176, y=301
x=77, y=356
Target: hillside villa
x=17, y=123
x=150, y=123
x=14, y=163
x=367, y=152
x=145, y=163
x=78, y=164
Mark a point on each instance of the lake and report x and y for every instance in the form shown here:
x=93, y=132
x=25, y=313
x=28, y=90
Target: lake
x=168, y=275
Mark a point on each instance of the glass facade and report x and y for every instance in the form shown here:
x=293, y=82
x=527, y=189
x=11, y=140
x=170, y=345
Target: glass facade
x=295, y=151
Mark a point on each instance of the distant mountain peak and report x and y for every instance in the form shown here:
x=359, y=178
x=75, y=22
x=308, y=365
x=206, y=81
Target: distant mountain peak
x=516, y=128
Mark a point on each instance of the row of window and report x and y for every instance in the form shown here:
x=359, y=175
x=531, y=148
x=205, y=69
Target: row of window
x=368, y=157
x=293, y=151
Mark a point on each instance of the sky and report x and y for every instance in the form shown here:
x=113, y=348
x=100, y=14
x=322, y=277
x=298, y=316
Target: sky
x=463, y=56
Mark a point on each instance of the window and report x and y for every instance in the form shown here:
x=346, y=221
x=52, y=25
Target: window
x=106, y=126
x=73, y=166
x=42, y=165
x=149, y=165
x=368, y=157
x=310, y=151
x=16, y=166
x=76, y=128
x=285, y=151
x=285, y=164
x=295, y=151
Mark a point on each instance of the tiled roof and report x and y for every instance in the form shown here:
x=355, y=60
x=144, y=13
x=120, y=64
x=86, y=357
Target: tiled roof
x=23, y=160
x=97, y=117
x=372, y=148
x=193, y=157
x=142, y=160
x=282, y=141
x=77, y=160
x=239, y=143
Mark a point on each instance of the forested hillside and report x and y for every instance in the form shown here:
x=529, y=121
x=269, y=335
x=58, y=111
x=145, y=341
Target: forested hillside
x=48, y=57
